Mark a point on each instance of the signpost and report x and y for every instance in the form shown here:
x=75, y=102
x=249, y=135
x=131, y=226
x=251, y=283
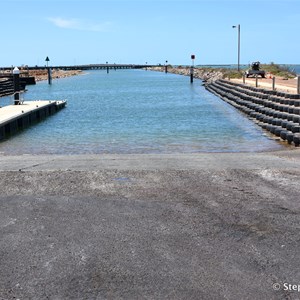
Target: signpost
x=47, y=60
x=49, y=71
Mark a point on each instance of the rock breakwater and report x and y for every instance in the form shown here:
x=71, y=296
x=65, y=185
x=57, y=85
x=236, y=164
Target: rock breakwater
x=56, y=74
x=205, y=74
x=30, y=77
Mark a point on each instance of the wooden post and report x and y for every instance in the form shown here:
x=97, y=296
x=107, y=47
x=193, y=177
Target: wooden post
x=49, y=76
x=16, y=78
x=273, y=83
x=192, y=68
x=298, y=85
x=256, y=81
x=244, y=80
x=192, y=74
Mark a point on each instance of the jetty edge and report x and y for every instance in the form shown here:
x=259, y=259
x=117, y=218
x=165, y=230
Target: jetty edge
x=17, y=117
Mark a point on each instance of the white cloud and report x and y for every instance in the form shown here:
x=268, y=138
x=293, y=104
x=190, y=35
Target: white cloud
x=79, y=24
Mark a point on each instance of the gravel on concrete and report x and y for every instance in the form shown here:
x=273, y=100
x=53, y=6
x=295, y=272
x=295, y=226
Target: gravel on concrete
x=182, y=226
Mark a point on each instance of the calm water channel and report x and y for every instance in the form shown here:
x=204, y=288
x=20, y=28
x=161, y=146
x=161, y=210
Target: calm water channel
x=135, y=111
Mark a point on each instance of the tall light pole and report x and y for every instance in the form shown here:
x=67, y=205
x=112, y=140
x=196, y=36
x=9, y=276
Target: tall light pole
x=239, y=42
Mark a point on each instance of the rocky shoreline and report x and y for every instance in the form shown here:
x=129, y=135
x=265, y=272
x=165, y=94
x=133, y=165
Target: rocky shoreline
x=31, y=77
x=56, y=74
x=205, y=74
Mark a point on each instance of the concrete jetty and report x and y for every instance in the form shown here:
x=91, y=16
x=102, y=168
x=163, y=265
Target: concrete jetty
x=16, y=117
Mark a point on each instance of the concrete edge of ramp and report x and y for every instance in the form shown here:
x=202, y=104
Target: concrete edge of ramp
x=278, y=160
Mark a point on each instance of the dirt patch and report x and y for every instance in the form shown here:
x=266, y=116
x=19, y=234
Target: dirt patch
x=281, y=84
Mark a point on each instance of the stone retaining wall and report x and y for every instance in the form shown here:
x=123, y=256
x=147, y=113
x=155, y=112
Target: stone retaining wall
x=205, y=74
x=277, y=112
x=7, y=84
x=6, y=87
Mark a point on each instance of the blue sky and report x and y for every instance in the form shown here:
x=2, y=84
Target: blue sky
x=95, y=31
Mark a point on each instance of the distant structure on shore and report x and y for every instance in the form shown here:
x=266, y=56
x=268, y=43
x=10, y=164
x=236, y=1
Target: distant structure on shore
x=88, y=67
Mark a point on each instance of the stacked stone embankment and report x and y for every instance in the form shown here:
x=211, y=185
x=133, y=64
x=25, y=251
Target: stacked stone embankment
x=206, y=74
x=6, y=87
x=277, y=112
x=7, y=83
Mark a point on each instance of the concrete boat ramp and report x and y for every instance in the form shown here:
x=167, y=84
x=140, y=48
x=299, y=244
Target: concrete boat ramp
x=175, y=226
x=16, y=117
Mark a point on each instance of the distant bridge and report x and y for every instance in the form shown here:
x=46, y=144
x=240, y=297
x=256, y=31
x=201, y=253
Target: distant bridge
x=102, y=66
x=86, y=67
